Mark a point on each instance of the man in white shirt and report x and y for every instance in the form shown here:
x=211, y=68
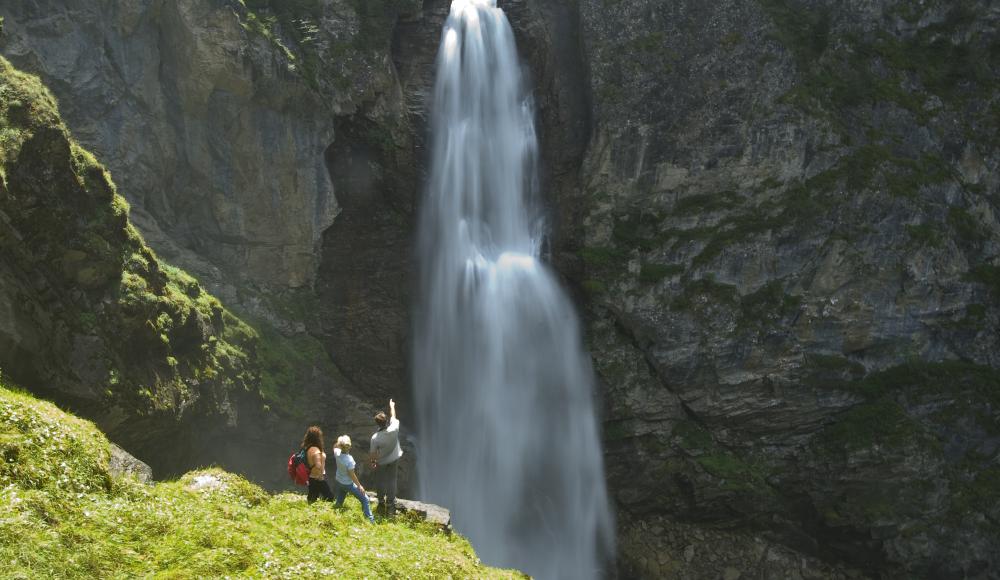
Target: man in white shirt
x=384, y=456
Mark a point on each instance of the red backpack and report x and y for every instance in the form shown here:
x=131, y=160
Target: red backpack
x=298, y=467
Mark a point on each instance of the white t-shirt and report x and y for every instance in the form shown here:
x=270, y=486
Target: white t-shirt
x=386, y=443
x=345, y=463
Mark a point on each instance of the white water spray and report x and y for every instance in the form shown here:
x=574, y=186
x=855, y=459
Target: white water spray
x=508, y=433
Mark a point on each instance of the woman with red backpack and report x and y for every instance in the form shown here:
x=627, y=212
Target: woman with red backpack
x=312, y=443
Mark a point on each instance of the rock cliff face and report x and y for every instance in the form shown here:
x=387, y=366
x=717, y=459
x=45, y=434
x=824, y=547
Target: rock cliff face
x=791, y=248
x=91, y=317
x=214, y=136
x=222, y=122
x=780, y=217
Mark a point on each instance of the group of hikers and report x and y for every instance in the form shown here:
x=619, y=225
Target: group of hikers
x=383, y=458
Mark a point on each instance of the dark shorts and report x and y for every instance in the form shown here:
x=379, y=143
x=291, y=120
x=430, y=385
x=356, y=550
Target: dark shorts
x=319, y=488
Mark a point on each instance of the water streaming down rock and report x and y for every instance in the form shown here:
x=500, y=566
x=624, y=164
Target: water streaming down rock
x=508, y=432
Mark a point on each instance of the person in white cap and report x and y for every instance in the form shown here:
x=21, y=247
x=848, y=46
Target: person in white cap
x=347, y=480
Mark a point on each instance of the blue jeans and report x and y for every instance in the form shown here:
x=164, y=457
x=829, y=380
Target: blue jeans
x=343, y=490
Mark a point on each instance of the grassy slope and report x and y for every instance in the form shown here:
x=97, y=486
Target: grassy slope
x=63, y=515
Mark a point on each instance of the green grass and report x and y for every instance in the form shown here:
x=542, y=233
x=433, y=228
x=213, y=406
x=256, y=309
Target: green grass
x=46, y=450
x=64, y=515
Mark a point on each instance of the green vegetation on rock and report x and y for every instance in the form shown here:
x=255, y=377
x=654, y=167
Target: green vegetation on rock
x=692, y=436
x=704, y=293
x=766, y=307
x=705, y=203
x=933, y=378
x=653, y=273
x=988, y=275
x=65, y=515
x=735, y=473
x=864, y=70
x=293, y=26
x=925, y=235
x=288, y=364
x=976, y=488
x=881, y=422
x=957, y=389
x=603, y=257
x=155, y=340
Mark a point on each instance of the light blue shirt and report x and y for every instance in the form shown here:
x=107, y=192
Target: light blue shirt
x=345, y=463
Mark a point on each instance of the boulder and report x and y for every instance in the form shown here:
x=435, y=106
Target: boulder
x=124, y=464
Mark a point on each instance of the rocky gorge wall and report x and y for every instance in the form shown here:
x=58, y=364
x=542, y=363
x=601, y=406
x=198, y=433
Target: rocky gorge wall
x=790, y=250
x=779, y=217
x=90, y=316
x=220, y=136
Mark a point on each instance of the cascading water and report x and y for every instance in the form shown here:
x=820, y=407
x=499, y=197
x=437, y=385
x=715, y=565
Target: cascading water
x=508, y=434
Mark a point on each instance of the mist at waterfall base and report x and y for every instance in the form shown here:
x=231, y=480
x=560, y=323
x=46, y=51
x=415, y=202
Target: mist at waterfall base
x=508, y=435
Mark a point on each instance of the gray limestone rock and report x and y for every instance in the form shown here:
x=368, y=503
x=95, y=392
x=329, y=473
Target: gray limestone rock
x=122, y=464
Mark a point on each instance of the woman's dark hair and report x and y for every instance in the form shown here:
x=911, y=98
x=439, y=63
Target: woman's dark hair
x=313, y=438
x=380, y=420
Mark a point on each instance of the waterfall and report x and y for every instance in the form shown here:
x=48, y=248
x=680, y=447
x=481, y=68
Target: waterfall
x=508, y=434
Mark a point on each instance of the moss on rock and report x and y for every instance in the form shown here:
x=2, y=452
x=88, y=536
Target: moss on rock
x=125, y=331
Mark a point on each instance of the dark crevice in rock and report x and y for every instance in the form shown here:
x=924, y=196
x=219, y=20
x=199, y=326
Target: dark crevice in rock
x=377, y=164
x=365, y=273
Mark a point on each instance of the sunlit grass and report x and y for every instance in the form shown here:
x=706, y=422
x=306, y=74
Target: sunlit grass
x=63, y=515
